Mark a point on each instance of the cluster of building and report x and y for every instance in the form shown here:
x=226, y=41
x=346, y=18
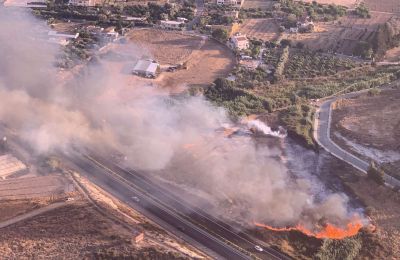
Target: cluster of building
x=235, y=3
x=305, y=26
x=238, y=42
x=174, y=25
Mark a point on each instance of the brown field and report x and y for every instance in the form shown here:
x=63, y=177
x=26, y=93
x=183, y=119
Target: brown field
x=393, y=55
x=265, y=29
x=369, y=126
x=389, y=6
x=167, y=47
x=263, y=4
x=206, y=60
x=342, y=36
x=92, y=226
x=34, y=187
x=348, y=3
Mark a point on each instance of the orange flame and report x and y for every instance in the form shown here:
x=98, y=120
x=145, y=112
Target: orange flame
x=329, y=231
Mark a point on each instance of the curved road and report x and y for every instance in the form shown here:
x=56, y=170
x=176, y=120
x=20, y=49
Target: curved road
x=322, y=134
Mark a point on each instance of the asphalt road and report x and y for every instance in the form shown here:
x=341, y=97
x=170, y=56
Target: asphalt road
x=322, y=133
x=140, y=192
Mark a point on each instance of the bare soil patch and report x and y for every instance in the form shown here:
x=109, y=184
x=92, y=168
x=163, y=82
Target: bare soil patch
x=211, y=61
x=348, y=3
x=166, y=47
x=369, y=127
x=81, y=230
x=205, y=59
x=370, y=120
x=393, y=55
x=34, y=187
x=13, y=208
x=390, y=6
x=263, y=4
x=265, y=29
x=344, y=35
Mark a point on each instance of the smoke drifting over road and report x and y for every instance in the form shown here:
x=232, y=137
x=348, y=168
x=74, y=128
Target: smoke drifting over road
x=155, y=132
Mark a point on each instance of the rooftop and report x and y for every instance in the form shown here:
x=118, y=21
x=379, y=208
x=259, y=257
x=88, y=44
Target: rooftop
x=148, y=66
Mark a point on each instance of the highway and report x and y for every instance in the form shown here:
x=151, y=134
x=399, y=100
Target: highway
x=144, y=195
x=322, y=134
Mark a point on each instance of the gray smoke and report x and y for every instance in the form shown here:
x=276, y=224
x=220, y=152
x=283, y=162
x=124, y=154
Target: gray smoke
x=173, y=137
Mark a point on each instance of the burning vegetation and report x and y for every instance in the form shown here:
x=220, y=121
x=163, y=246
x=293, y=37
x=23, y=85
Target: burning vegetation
x=327, y=231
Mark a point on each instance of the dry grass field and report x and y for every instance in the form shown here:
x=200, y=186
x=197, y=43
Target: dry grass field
x=263, y=4
x=167, y=47
x=265, y=29
x=343, y=35
x=389, y=6
x=348, y=3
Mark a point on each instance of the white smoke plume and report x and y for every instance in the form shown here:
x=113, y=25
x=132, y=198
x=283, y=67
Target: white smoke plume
x=174, y=137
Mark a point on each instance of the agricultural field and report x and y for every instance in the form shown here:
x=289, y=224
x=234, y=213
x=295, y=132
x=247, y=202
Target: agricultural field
x=306, y=64
x=263, y=4
x=347, y=3
x=389, y=6
x=342, y=36
x=264, y=29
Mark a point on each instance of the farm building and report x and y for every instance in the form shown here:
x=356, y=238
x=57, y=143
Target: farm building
x=146, y=68
x=172, y=25
x=238, y=42
x=10, y=165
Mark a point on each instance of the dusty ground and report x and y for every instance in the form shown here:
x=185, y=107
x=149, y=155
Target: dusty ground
x=170, y=48
x=12, y=208
x=348, y=3
x=341, y=36
x=32, y=187
x=393, y=55
x=370, y=120
x=263, y=4
x=82, y=229
x=369, y=126
x=265, y=29
x=390, y=6
x=167, y=47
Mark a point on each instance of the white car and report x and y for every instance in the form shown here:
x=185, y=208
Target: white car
x=135, y=198
x=259, y=248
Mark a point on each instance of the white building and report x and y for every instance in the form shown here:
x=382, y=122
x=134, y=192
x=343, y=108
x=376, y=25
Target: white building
x=172, y=25
x=82, y=2
x=238, y=42
x=146, y=68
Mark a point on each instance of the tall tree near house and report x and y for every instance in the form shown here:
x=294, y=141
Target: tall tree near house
x=220, y=34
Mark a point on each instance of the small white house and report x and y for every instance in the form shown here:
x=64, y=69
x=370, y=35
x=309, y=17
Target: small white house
x=238, y=42
x=172, y=25
x=146, y=68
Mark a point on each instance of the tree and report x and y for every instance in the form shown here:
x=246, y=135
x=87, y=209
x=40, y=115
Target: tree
x=220, y=34
x=376, y=174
